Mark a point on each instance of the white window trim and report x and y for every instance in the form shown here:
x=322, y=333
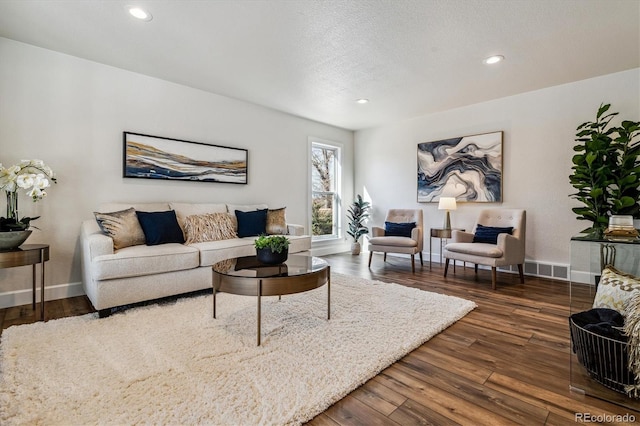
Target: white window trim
x=339, y=191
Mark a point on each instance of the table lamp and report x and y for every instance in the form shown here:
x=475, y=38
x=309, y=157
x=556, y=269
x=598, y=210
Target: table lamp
x=447, y=203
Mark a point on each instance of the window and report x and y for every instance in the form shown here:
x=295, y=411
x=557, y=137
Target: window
x=325, y=191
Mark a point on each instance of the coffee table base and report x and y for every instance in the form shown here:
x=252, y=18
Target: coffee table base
x=276, y=286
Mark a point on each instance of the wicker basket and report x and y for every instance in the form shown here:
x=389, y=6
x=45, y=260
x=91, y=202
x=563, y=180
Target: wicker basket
x=605, y=359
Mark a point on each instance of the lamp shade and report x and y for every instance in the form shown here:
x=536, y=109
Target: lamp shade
x=447, y=203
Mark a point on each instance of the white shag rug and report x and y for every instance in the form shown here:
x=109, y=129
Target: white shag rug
x=173, y=364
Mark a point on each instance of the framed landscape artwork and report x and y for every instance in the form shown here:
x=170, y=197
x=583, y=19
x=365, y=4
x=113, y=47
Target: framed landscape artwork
x=468, y=168
x=154, y=157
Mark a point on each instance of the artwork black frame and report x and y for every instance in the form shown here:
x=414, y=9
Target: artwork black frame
x=155, y=157
x=468, y=168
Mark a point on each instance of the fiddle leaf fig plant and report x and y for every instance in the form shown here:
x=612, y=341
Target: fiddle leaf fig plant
x=606, y=169
x=357, y=214
x=626, y=188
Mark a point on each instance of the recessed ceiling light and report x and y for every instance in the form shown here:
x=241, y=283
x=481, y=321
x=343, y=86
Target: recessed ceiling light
x=139, y=13
x=493, y=59
x=363, y=101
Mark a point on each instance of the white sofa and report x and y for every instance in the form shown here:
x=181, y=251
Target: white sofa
x=113, y=278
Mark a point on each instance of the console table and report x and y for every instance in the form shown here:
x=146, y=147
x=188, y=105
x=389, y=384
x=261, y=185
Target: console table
x=28, y=254
x=589, y=255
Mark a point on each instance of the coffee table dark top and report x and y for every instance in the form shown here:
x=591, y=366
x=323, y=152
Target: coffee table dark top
x=249, y=266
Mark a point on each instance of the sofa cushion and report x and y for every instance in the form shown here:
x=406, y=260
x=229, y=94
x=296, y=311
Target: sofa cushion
x=160, y=227
x=122, y=226
x=212, y=252
x=199, y=228
x=393, y=241
x=231, y=208
x=184, y=210
x=251, y=224
x=475, y=249
x=145, y=207
x=489, y=234
x=143, y=260
x=277, y=222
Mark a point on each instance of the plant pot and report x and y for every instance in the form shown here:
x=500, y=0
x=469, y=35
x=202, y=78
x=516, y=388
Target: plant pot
x=265, y=255
x=355, y=248
x=11, y=240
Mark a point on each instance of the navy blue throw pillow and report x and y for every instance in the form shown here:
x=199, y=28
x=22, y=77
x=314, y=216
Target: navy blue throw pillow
x=398, y=229
x=160, y=227
x=489, y=234
x=251, y=224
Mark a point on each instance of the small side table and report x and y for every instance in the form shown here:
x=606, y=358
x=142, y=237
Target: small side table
x=28, y=254
x=443, y=235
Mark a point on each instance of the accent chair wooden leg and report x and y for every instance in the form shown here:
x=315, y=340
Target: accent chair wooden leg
x=446, y=266
x=521, y=272
x=413, y=263
x=493, y=277
x=385, y=256
x=370, y=256
x=476, y=268
x=421, y=263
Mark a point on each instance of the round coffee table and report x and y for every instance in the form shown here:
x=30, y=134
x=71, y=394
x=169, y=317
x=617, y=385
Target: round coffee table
x=246, y=276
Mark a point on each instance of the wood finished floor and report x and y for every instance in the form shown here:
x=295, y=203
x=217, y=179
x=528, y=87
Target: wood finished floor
x=507, y=362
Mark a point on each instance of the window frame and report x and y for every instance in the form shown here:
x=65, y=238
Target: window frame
x=337, y=190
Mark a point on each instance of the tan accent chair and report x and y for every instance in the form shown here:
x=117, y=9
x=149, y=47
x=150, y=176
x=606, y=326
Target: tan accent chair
x=509, y=250
x=407, y=245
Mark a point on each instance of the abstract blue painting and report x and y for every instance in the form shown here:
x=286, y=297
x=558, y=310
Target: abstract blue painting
x=468, y=168
x=153, y=157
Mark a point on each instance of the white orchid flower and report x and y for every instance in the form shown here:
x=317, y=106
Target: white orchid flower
x=10, y=186
x=25, y=181
x=41, y=182
x=35, y=194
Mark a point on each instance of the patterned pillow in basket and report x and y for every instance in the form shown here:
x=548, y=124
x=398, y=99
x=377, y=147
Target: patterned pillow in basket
x=614, y=289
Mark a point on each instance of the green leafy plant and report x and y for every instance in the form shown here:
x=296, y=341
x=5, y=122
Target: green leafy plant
x=606, y=169
x=357, y=215
x=277, y=243
x=626, y=176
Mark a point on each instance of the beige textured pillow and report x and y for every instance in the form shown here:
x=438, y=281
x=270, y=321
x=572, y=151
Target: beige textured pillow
x=276, y=222
x=199, y=228
x=614, y=289
x=122, y=226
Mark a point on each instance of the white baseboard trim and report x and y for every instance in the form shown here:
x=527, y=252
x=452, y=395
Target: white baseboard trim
x=532, y=267
x=24, y=297
x=332, y=248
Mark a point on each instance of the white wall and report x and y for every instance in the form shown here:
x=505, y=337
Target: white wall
x=71, y=114
x=539, y=132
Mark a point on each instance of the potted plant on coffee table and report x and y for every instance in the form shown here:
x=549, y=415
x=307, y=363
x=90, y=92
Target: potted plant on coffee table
x=272, y=249
x=357, y=214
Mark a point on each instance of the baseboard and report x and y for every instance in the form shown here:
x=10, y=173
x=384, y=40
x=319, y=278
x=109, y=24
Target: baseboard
x=556, y=271
x=53, y=292
x=327, y=248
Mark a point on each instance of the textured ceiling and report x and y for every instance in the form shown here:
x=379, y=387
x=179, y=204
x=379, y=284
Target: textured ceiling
x=315, y=58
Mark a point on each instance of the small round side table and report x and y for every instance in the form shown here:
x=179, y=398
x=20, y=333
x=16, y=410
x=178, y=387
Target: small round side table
x=443, y=234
